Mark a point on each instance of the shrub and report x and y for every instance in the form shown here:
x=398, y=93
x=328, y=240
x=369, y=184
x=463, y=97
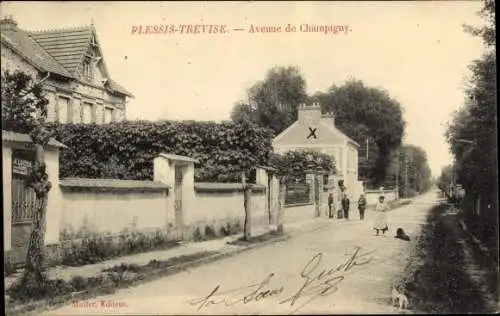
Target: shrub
x=210, y=232
x=126, y=150
x=79, y=283
x=225, y=230
x=236, y=228
x=27, y=289
x=197, y=236
x=124, y=267
x=8, y=267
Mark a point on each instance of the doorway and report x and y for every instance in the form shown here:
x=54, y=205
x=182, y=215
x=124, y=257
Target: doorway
x=179, y=176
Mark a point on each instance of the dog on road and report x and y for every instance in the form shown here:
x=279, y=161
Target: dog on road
x=400, y=234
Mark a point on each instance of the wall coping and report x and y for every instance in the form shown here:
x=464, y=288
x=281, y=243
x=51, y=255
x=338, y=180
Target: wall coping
x=378, y=191
x=9, y=136
x=84, y=184
x=225, y=187
x=178, y=158
x=298, y=204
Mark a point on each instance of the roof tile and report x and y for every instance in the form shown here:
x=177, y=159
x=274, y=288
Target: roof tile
x=65, y=43
x=21, y=43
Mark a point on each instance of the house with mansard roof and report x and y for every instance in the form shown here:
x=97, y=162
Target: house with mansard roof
x=71, y=65
x=317, y=132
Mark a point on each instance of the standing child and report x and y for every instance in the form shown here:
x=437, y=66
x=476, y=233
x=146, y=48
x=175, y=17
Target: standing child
x=381, y=209
x=330, y=205
x=362, y=206
x=345, y=206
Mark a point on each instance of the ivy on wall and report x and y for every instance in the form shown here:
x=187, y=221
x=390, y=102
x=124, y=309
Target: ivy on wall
x=296, y=163
x=126, y=150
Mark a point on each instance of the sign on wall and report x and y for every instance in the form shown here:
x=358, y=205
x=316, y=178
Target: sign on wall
x=21, y=166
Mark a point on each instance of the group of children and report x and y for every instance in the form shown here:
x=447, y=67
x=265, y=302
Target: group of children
x=380, y=220
x=345, y=202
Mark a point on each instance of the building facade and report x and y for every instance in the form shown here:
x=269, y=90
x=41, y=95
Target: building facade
x=71, y=66
x=317, y=132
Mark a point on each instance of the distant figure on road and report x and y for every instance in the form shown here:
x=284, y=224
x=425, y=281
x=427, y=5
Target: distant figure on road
x=330, y=205
x=362, y=206
x=380, y=223
x=345, y=206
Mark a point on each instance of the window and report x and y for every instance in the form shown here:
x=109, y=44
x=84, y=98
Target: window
x=63, y=110
x=51, y=110
x=77, y=113
x=87, y=109
x=87, y=69
x=108, y=115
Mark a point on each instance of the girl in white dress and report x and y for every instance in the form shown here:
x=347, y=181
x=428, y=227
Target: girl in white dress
x=380, y=223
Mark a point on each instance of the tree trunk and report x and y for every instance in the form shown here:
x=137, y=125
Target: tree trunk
x=247, y=194
x=39, y=182
x=281, y=205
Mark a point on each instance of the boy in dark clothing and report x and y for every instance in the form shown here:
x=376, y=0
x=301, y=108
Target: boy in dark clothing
x=330, y=205
x=345, y=206
x=362, y=206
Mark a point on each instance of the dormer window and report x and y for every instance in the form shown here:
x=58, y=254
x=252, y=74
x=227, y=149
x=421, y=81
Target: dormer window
x=88, y=74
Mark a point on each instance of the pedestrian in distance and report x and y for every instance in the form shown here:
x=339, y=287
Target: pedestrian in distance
x=362, y=206
x=345, y=206
x=381, y=209
x=330, y=205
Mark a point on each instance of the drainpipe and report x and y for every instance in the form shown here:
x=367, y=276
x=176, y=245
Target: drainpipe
x=39, y=82
x=45, y=78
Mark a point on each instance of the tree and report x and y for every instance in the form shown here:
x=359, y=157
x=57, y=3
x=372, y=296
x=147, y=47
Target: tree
x=472, y=134
x=273, y=102
x=414, y=171
x=24, y=110
x=241, y=112
x=446, y=179
x=365, y=113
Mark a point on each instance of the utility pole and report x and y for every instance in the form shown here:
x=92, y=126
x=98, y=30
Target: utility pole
x=406, y=178
x=397, y=179
x=367, y=148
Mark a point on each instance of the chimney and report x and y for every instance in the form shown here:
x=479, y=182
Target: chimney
x=309, y=114
x=8, y=24
x=328, y=118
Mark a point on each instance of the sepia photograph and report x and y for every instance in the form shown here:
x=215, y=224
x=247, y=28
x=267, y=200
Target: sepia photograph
x=249, y=157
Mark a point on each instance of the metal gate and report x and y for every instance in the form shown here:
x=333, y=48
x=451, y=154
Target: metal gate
x=23, y=204
x=298, y=193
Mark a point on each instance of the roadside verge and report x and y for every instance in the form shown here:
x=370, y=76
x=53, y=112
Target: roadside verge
x=19, y=300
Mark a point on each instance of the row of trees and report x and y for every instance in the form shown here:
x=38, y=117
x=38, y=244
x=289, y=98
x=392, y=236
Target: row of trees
x=409, y=170
x=472, y=134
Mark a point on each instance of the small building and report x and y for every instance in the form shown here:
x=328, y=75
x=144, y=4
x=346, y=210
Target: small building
x=71, y=66
x=317, y=132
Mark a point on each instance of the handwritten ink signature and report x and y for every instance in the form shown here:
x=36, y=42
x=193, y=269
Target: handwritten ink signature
x=315, y=284
x=325, y=282
x=256, y=293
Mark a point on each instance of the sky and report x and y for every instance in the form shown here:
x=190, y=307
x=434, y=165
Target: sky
x=416, y=51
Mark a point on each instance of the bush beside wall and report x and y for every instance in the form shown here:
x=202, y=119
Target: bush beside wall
x=203, y=232
x=96, y=249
